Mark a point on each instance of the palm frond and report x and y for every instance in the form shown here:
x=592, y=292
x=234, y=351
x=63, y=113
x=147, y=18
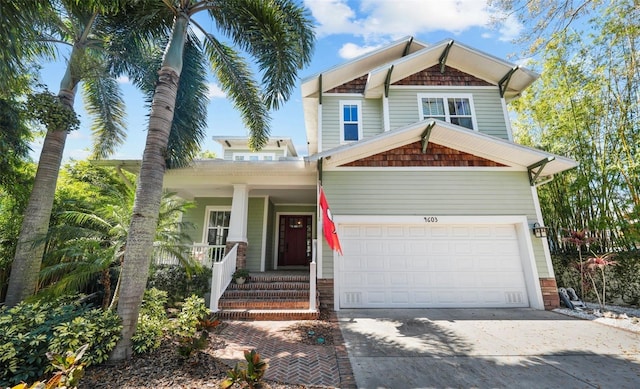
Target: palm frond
x=188, y=128
x=105, y=102
x=278, y=33
x=237, y=81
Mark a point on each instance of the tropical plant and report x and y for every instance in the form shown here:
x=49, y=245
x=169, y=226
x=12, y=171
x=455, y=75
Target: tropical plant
x=279, y=35
x=29, y=331
x=179, y=282
x=152, y=321
x=248, y=376
x=69, y=371
x=592, y=266
x=85, y=29
x=88, y=245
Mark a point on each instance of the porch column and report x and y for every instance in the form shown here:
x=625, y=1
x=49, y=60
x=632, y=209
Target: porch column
x=238, y=223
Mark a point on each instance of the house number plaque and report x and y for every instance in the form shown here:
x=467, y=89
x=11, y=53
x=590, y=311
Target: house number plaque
x=430, y=219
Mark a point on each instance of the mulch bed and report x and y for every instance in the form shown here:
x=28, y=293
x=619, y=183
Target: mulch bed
x=166, y=368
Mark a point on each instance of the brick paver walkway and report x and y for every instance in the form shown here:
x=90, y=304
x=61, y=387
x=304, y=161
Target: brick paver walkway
x=289, y=361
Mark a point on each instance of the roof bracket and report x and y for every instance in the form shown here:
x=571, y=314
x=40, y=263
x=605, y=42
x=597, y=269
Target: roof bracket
x=407, y=47
x=387, y=81
x=443, y=57
x=504, y=82
x=533, y=173
x=425, y=136
x=320, y=89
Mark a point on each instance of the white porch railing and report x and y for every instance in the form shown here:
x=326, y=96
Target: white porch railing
x=221, y=276
x=203, y=253
x=312, y=277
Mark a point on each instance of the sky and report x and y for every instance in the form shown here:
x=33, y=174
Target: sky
x=344, y=30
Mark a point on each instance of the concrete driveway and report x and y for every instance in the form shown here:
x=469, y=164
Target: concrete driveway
x=486, y=348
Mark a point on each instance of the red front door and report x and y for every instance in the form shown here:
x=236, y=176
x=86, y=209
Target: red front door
x=294, y=246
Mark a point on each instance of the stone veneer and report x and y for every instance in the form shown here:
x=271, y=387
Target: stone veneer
x=550, y=295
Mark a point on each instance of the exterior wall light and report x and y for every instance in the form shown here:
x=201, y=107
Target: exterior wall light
x=539, y=231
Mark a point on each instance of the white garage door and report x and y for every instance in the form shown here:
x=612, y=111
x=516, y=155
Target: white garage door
x=430, y=265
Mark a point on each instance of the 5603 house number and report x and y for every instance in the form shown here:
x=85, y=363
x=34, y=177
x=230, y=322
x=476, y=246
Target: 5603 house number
x=430, y=219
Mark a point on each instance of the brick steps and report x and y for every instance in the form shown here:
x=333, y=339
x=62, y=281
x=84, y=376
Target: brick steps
x=268, y=296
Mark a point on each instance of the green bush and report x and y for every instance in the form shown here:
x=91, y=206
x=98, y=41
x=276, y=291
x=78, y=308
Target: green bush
x=193, y=311
x=152, y=321
x=177, y=283
x=29, y=330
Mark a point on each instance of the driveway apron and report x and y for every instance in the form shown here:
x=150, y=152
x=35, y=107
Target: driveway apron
x=486, y=348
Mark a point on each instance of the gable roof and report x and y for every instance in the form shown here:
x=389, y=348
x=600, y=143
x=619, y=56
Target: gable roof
x=513, y=155
x=403, y=58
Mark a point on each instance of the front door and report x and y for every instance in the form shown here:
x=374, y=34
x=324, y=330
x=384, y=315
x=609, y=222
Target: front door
x=294, y=243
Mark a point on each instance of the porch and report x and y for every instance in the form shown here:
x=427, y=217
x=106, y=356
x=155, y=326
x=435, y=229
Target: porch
x=269, y=295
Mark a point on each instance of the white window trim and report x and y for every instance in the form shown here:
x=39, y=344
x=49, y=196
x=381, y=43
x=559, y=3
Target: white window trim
x=357, y=103
x=260, y=156
x=207, y=210
x=468, y=96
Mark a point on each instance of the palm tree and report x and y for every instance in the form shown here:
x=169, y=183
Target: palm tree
x=87, y=27
x=88, y=245
x=279, y=36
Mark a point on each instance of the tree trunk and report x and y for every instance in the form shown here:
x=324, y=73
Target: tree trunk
x=25, y=268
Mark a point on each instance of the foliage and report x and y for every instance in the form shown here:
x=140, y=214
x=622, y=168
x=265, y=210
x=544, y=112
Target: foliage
x=192, y=313
x=69, y=371
x=178, y=282
x=190, y=345
x=29, y=330
x=585, y=106
x=51, y=112
x=240, y=273
x=594, y=264
x=152, y=321
x=248, y=376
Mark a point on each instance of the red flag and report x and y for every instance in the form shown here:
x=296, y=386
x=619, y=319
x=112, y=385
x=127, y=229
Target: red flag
x=328, y=227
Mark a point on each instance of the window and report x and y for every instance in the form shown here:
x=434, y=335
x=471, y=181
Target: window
x=455, y=109
x=254, y=156
x=350, y=121
x=217, y=227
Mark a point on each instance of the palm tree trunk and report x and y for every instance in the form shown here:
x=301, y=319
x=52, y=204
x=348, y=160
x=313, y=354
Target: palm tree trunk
x=23, y=278
x=144, y=221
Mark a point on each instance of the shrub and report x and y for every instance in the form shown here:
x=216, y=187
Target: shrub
x=193, y=311
x=248, y=376
x=178, y=283
x=152, y=321
x=29, y=330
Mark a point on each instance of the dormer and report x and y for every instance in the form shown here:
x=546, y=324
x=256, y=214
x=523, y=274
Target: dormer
x=235, y=148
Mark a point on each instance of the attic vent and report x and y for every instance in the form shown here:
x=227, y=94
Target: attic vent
x=513, y=297
x=351, y=298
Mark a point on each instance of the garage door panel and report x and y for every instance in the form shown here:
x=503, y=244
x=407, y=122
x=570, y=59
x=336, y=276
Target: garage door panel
x=431, y=266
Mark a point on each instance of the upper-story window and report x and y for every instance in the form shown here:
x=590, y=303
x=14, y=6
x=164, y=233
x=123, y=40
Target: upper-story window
x=254, y=156
x=350, y=121
x=455, y=109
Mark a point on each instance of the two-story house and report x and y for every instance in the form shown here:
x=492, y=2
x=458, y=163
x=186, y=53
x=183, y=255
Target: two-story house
x=433, y=202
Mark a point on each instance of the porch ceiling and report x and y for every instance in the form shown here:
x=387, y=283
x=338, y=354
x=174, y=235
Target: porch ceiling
x=285, y=182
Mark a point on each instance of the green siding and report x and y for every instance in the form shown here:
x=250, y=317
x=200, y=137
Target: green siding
x=371, y=118
x=196, y=215
x=451, y=193
x=404, y=109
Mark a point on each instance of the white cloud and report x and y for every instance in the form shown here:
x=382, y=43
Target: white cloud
x=123, y=80
x=351, y=50
x=376, y=20
x=215, y=92
x=510, y=28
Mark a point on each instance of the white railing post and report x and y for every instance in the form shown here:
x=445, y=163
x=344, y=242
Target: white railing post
x=312, y=278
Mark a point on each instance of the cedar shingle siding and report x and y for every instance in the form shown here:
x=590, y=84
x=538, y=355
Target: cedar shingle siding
x=411, y=155
x=450, y=77
x=353, y=86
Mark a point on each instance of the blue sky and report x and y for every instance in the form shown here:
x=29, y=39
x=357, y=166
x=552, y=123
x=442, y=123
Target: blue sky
x=344, y=30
